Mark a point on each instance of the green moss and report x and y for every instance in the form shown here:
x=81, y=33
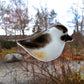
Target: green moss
x=7, y=52
x=72, y=46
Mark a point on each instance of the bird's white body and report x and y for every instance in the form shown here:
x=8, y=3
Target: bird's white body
x=51, y=50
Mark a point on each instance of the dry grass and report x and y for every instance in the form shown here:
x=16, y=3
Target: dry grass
x=55, y=72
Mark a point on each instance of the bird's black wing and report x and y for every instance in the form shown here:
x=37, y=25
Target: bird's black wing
x=38, y=41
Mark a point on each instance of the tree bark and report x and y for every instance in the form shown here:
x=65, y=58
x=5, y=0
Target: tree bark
x=77, y=26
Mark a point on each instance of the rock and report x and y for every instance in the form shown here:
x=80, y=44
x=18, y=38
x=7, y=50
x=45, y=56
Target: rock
x=13, y=57
x=21, y=52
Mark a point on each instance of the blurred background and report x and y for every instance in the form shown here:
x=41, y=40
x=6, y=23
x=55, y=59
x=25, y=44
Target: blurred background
x=20, y=19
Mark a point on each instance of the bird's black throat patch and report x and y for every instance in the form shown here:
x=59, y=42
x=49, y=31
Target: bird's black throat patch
x=66, y=38
x=39, y=42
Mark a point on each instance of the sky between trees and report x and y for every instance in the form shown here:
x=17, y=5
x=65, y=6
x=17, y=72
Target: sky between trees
x=17, y=16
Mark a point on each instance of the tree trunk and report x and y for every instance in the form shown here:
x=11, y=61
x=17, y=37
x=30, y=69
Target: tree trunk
x=77, y=26
x=81, y=26
x=0, y=48
x=23, y=33
x=6, y=31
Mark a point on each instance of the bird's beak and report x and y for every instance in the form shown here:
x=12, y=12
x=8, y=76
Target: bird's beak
x=66, y=38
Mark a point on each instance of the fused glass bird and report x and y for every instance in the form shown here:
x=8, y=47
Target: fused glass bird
x=47, y=45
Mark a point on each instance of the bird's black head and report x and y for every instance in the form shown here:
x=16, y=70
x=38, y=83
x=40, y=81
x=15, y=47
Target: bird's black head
x=64, y=35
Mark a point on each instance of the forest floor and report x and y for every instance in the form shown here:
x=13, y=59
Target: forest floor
x=68, y=54
x=22, y=72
